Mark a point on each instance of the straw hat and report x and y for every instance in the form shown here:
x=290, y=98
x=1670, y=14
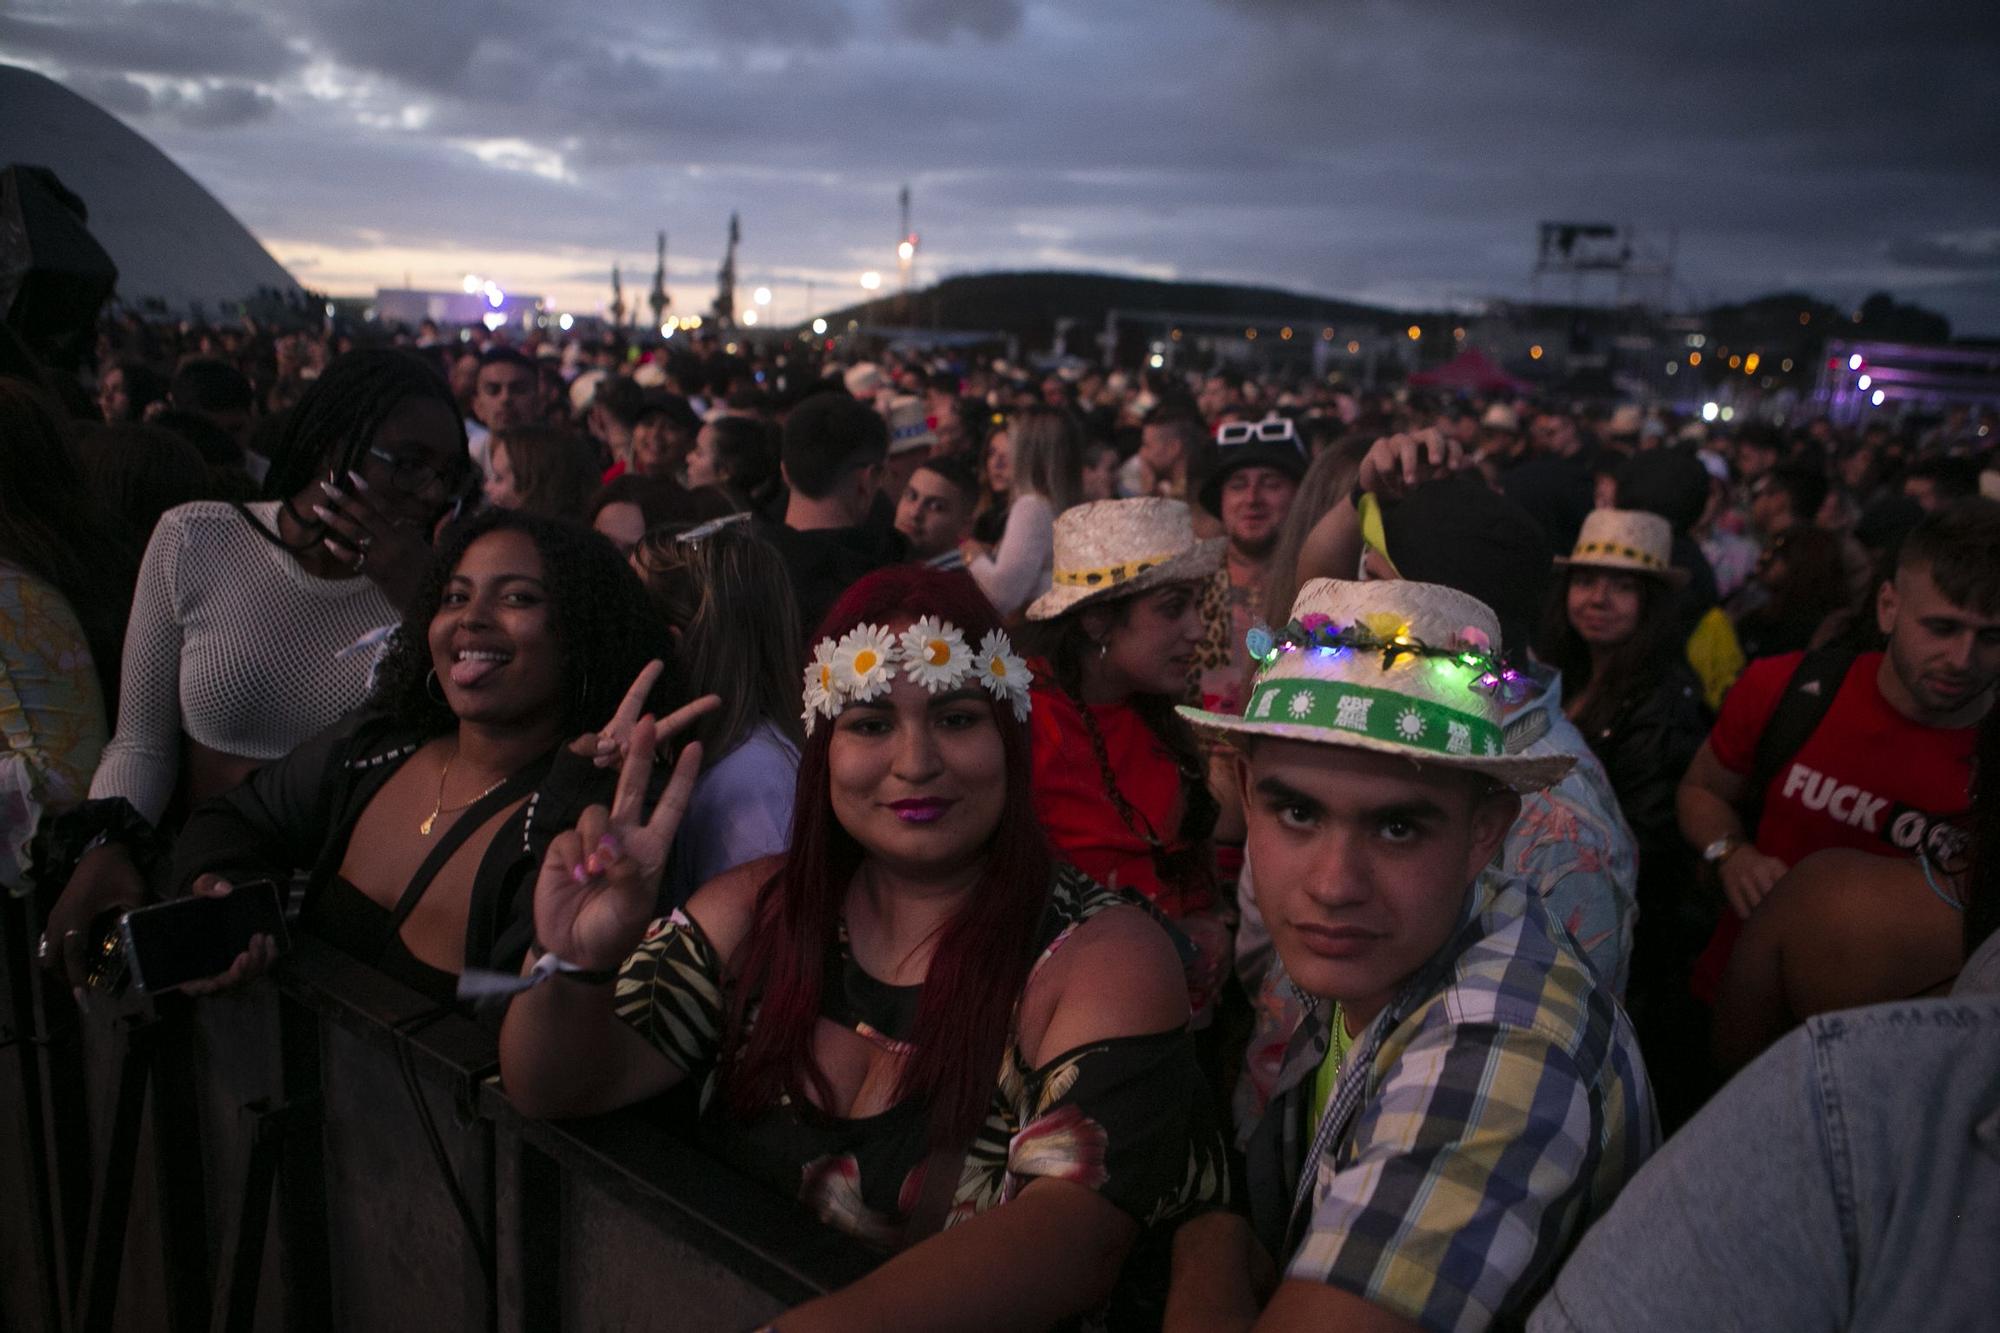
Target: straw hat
x=1390, y=666
x=1122, y=546
x=1626, y=539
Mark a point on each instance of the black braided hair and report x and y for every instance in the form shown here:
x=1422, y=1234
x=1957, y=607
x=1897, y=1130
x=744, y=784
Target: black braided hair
x=334, y=421
x=605, y=627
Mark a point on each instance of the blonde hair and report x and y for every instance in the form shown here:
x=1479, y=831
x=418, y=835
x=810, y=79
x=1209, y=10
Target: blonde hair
x=1047, y=449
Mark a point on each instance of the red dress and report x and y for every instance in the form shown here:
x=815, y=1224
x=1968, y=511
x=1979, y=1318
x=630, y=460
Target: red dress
x=1083, y=821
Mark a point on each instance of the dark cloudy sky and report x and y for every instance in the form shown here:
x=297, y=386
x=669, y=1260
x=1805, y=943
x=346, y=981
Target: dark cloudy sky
x=1399, y=151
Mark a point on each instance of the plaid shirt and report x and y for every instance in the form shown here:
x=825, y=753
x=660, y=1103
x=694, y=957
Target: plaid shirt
x=1480, y=1124
x=1570, y=844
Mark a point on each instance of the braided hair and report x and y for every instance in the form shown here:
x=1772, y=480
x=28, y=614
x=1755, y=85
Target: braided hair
x=331, y=426
x=604, y=626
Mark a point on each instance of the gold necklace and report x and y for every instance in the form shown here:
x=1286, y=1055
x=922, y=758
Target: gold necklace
x=438, y=806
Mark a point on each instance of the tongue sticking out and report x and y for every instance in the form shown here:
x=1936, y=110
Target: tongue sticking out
x=468, y=672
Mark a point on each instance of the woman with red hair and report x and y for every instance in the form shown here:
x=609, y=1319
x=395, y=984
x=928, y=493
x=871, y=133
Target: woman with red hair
x=913, y=1016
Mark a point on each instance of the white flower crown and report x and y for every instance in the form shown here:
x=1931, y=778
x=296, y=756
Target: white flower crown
x=930, y=653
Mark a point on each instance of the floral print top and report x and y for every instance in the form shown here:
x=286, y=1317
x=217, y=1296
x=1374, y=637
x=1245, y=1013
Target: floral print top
x=51, y=715
x=1126, y=1117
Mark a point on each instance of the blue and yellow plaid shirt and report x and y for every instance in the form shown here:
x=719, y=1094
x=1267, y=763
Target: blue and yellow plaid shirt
x=1480, y=1124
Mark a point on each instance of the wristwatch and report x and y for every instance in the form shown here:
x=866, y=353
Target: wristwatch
x=1718, y=851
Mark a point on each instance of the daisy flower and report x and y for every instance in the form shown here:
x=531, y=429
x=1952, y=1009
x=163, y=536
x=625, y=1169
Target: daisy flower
x=1001, y=672
x=863, y=664
x=934, y=655
x=819, y=684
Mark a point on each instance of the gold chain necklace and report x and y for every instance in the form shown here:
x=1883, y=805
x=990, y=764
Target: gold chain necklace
x=438, y=806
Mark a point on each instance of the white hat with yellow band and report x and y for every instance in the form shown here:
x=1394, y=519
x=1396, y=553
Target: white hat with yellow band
x=1109, y=548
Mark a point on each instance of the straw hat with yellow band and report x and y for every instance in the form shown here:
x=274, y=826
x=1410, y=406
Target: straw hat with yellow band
x=1110, y=548
x=1391, y=666
x=1629, y=540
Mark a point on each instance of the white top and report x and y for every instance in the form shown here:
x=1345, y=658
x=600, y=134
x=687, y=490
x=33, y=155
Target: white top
x=232, y=643
x=1023, y=564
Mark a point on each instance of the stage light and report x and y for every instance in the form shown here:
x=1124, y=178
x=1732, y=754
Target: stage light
x=870, y=280
x=1157, y=361
x=1864, y=383
x=1877, y=397
x=750, y=316
x=1854, y=362
x=762, y=296
x=565, y=322
x=1414, y=332
x=471, y=283
x=819, y=326
x=1709, y=411
x=1535, y=352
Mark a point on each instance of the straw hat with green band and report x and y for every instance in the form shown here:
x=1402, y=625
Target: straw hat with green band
x=1390, y=666
x=1110, y=548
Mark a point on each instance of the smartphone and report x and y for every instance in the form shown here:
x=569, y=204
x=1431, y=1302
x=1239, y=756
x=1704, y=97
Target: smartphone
x=191, y=939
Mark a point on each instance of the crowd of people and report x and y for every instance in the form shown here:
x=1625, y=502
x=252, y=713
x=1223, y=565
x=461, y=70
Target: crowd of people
x=1139, y=849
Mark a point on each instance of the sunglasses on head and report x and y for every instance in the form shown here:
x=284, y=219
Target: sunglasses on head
x=1276, y=430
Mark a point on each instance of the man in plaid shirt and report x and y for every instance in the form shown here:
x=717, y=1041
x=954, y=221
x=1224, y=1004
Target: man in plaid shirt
x=1464, y=1097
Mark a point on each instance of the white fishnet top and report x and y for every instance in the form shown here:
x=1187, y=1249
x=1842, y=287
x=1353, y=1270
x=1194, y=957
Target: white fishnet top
x=233, y=643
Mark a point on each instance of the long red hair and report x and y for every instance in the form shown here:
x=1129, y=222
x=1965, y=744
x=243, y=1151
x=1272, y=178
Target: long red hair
x=982, y=958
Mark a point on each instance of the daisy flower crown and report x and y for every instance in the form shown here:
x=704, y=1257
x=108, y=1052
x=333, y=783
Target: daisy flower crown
x=932, y=653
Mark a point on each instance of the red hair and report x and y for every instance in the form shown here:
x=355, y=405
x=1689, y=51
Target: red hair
x=982, y=958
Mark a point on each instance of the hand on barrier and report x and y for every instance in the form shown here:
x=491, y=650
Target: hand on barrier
x=599, y=885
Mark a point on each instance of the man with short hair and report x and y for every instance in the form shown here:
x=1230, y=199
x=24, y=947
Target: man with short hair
x=1465, y=1096
x=1427, y=521
x=612, y=417
x=1557, y=485
x=506, y=391
x=1250, y=490
x=1169, y=442
x=832, y=459
x=935, y=511
x=1937, y=481
x=1887, y=766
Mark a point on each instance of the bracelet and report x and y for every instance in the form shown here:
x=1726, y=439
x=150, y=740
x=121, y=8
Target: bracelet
x=477, y=983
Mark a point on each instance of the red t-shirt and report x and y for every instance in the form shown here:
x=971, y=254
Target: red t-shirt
x=1868, y=778
x=1071, y=800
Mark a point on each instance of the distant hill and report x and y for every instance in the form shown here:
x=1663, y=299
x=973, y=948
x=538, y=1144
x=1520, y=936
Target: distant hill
x=1027, y=305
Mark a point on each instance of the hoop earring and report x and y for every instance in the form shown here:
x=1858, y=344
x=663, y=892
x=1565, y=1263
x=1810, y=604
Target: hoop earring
x=435, y=687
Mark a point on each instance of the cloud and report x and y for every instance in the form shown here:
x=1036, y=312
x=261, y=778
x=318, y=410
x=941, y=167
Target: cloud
x=939, y=20
x=153, y=37
x=212, y=104
x=1966, y=251
x=1374, y=146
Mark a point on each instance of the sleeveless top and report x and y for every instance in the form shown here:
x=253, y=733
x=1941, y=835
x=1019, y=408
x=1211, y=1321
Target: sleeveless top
x=1126, y=1117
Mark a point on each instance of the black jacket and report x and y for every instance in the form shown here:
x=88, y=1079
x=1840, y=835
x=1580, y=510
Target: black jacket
x=1646, y=750
x=295, y=816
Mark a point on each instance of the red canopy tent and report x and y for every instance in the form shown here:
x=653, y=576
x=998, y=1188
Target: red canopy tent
x=1471, y=371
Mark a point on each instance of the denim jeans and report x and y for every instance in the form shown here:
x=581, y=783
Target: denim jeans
x=1848, y=1179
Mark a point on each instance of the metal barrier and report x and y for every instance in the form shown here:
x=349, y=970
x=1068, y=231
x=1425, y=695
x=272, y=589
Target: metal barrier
x=334, y=1152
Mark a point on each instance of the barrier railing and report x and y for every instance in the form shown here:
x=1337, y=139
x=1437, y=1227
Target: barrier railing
x=333, y=1152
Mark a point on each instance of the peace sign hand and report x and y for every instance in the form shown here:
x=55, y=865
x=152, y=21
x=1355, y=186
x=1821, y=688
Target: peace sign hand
x=600, y=882
x=606, y=748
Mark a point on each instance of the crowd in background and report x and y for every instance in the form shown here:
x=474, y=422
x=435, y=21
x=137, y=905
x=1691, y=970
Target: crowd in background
x=405, y=618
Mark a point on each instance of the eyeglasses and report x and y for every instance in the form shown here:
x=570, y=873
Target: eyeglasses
x=417, y=478
x=1276, y=430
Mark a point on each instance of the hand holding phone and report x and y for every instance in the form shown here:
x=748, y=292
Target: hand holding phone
x=217, y=939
